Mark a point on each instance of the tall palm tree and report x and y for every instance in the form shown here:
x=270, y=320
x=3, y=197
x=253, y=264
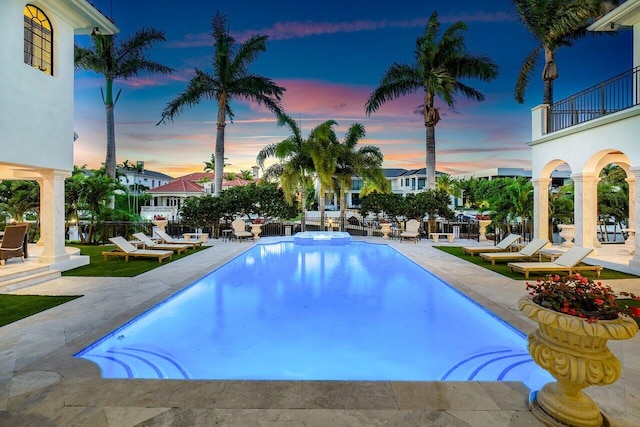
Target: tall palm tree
x=437, y=71
x=324, y=150
x=365, y=162
x=231, y=80
x=296, y=164
x=115, y=61
x=553, y=24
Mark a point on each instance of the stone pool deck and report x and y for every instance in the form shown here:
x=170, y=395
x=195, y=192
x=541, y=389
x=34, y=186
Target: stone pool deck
x=41, y=384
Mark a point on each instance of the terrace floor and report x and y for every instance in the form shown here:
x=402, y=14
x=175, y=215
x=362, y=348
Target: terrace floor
x=42, y=384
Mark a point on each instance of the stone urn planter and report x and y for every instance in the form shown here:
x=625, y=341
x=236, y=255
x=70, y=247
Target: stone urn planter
x=575, y=353
x=385, y=229
x=160, y=223
x=256, y=229
x=567, y=232
x=483, y=223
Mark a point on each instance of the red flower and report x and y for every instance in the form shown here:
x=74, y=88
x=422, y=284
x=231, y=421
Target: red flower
x=598, y=301
x=635, y=311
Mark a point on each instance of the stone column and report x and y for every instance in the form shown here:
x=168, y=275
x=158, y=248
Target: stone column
x=541, y=207
x=634, y=207
x=585, y=202
x=52, y=216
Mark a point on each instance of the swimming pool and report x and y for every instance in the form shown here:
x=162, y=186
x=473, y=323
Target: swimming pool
x=284, y=311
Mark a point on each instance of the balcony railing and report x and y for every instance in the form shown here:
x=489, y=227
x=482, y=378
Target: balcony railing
x=616, y=94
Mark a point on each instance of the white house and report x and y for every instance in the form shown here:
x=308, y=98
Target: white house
x=36, y=101
x=589, y=130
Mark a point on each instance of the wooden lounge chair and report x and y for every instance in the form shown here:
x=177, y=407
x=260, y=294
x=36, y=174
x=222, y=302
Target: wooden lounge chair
x=570, y=261
x=502, y=246
x=150, y=244
x=126, y=250
x=411, y=231
x=240, y=230
x=168, y=239
x=525, y=254
x=12, y=245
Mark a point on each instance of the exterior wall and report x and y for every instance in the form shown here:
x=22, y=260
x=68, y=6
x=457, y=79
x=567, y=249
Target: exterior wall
x=36, y=124
x=577, y=145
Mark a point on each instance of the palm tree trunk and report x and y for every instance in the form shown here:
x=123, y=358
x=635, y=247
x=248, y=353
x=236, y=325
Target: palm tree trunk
x=303, y=205
x=219, y=150
x=343, y=206
x=110, y=160
x=321, y=207
x=431, y=158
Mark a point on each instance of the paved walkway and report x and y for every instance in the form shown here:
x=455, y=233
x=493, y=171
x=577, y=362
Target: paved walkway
x=41, y=384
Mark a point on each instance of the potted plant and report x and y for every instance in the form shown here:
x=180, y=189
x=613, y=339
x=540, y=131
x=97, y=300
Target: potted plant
x=256, y=227
x=483, y=222
x=160, y=221
x=576, y=316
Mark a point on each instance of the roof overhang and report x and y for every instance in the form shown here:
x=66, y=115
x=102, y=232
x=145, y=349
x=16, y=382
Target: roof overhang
x=83, y=16
x=625, y=15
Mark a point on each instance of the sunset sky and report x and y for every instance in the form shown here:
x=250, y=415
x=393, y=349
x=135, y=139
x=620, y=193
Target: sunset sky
x=329, y=56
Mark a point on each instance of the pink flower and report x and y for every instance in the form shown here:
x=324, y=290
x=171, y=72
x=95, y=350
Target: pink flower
x=598, y=301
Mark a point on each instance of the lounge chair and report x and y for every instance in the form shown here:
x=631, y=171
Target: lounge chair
x=126, y=250
x=150, y=244
x=570, y=261
x=525, y=254
x=12, y=245
x=168, y=239
x=240, y=230
x=502, y=246
x=411, y=231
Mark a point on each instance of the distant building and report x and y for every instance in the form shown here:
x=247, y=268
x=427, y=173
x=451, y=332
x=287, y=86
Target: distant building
x=167, y=199
x=143, y=178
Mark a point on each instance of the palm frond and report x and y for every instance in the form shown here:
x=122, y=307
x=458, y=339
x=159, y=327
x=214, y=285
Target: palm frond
x=202, y=85
x=524, y=76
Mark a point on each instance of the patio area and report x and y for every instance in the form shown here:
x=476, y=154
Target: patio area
x=42, y=384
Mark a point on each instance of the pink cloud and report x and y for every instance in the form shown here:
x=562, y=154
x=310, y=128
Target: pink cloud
x=301, y=29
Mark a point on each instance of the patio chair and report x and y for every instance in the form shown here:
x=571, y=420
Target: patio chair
x=168, y=239
x=525, y=254
x=503, y=245
x=127, y=250
x=12, y=245
x=570, y=261
x=411, y=231
x=150, y=244
x=240, y=230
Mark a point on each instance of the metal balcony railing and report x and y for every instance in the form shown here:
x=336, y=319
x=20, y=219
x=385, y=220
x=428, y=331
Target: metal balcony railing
x=612, y=95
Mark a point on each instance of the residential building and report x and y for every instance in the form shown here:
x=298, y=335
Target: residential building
x=168, y=198
x=588, y=131
x=139, y=180
x=36, y=101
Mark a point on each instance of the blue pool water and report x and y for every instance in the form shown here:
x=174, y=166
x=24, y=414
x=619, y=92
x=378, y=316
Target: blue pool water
x=284, y=311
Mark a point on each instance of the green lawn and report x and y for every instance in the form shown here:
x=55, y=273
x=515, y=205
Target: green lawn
x=504, y=270
x=16, y=307
x=116, y=266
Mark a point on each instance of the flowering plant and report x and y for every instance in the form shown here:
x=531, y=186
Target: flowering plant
x=159, y=217
x=579, y=296
x=257, y=221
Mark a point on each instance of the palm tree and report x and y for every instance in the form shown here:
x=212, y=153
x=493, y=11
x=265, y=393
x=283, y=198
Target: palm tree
x=295, y=164
x=118, y=61
x=553, y=24
x=231, y=80
x=365, y=162
x=438, y=69
x=324, y=149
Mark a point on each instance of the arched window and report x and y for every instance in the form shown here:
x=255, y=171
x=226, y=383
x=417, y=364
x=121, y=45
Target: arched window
x=38, y=39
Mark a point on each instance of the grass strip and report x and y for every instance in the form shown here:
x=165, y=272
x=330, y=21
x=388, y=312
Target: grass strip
x=16, y=307
x=116, y=266
x=502, y=268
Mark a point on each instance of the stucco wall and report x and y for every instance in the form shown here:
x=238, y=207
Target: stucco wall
x=36, y=109
x=581, y=144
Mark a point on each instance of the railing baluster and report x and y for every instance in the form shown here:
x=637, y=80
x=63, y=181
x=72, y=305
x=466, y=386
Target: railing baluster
x=615, y=94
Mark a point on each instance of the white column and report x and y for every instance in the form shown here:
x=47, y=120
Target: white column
x=52, y=216
x=585, y=209
x=634, y=220
x=541, y=207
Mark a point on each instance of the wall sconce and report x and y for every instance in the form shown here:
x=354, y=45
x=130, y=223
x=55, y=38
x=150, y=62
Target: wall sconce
x=96, y=31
